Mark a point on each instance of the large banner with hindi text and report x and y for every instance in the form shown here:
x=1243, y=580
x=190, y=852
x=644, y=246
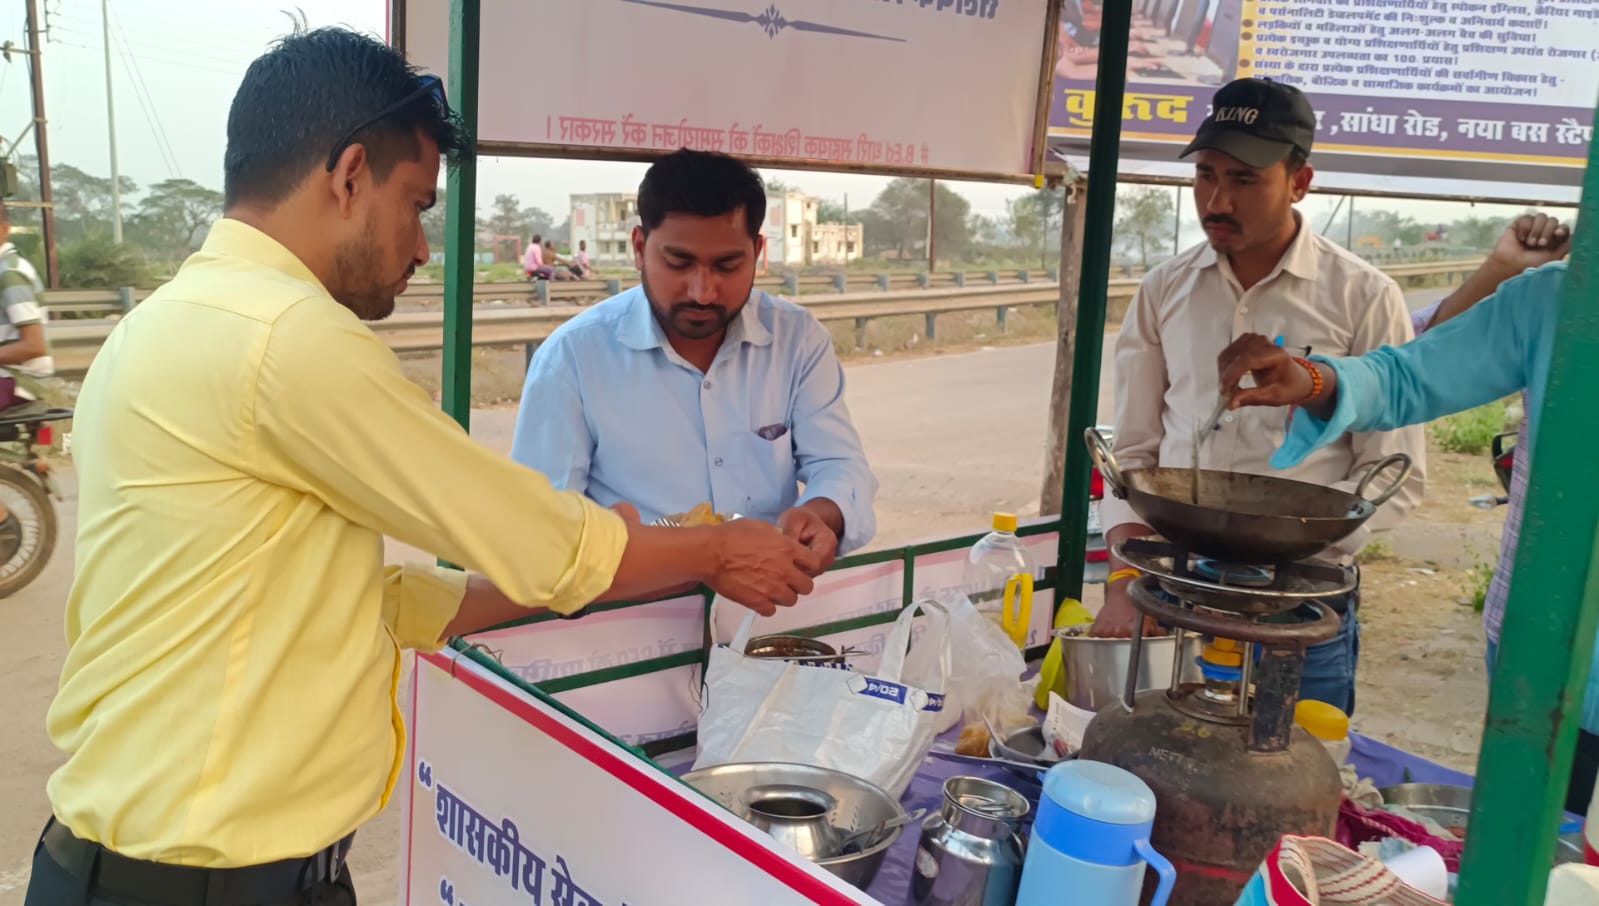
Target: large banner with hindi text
x=946, y=86
x=1473, y=98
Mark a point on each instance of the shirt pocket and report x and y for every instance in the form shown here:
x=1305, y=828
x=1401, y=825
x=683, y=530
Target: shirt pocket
x=767, y=449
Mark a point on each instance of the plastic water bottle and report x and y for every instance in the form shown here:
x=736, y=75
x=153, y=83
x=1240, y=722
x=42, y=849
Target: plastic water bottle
x=999, y=579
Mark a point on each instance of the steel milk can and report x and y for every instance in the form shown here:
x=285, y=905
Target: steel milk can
x=971, y=850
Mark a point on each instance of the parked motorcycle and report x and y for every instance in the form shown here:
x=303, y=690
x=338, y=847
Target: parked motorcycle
x=28, y=527
x=1504, y=460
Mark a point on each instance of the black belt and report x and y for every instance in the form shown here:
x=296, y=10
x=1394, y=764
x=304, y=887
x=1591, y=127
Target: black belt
x=182, y=885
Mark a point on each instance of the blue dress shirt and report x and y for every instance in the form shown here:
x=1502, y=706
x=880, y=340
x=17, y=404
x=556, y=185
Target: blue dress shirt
x=612, y=410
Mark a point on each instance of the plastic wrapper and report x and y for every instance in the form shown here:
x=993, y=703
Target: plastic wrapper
x=985, y=668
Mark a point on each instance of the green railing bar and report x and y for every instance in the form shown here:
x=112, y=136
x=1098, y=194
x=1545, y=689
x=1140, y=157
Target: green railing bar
x=1548, y=638
x=1104, y=145
x=482, y=658
x=460, y=213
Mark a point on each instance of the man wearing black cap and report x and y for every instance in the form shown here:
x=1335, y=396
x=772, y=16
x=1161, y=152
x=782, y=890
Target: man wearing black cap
x=1261, y=270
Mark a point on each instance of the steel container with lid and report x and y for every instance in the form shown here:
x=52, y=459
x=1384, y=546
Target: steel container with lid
x=971, y=849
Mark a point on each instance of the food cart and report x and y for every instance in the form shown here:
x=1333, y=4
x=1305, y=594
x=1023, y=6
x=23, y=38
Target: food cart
x=537, y=750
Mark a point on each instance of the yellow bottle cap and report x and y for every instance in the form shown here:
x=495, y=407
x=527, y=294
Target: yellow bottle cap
x=1322, y=720
x=1005, y=522
x=1224, y=653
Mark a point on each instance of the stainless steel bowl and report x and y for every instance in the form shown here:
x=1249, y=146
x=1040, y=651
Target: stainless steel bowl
x=793, y=648
x=1024, y=745
x=1096, y=669
x=1449, y=806
x=860, y=805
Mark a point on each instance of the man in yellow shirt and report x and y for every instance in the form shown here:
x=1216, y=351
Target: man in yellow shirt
x=243, y=444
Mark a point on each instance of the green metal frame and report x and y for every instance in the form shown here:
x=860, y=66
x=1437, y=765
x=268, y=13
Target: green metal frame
x=1547, y=645
x=1530, y=734
x=460, y=213
x=1110, y=88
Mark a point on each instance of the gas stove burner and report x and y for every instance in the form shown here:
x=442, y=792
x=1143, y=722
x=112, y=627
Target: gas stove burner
x=1243, y=576
x=1247, y=588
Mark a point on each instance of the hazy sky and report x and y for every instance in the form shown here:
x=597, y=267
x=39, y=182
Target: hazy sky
x=176, y=64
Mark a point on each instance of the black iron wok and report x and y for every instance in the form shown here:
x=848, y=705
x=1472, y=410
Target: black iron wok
x=1243, y=518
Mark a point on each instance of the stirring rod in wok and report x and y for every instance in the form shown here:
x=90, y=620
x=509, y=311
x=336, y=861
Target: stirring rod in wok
x=1200, y=434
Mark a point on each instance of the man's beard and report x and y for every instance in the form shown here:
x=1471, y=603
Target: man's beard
x=359, y=284
x=673, y=321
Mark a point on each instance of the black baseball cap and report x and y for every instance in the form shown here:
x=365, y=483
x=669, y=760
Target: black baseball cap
x=1257, y=121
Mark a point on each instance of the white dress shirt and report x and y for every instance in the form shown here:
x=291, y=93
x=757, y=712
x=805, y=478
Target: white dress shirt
x=1189, y=308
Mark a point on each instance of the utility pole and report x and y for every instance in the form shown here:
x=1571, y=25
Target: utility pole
x=932, y=228
x=1349, y=231
x=111, y=123
x=1177, y=225
x=42, y=144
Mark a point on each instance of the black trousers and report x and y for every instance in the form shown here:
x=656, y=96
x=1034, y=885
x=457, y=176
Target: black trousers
x=53, y=885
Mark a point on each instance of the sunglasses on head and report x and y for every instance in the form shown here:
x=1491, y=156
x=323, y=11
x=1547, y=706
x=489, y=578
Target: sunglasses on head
x=427, y=85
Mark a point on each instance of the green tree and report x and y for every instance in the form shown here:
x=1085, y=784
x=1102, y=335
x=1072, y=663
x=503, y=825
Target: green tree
x=505, y=216
x=172, y=219
x=535, y=220
x=1479, y=233
x=433, y=222
x=830, y=211
x=83, y=200
x=1145, y=221
x=1035, y=220
x=901, y=216
x=95, y=262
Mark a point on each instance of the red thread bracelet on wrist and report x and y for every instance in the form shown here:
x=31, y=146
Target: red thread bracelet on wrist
x=1316, y=385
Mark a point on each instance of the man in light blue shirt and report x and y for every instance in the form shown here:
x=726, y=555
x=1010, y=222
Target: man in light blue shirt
x=1500, y=346
x=695, y=387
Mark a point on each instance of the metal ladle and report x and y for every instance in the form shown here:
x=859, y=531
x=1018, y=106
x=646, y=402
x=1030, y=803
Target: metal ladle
x=866, y=839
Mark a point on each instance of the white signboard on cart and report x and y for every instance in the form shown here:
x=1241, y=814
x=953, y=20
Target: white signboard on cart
x=508, y=800
x=937, y=86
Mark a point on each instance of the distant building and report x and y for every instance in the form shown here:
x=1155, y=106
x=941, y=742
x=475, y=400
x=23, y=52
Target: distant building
x=794, y=238
x=606, y=223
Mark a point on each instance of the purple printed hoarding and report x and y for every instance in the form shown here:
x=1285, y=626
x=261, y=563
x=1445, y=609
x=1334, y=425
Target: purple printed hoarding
x=1480, y=98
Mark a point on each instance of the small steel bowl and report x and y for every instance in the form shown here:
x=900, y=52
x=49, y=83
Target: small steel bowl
x=795, y=649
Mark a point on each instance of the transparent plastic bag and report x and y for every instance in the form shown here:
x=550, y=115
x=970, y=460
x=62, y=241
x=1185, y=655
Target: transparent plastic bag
x=985, y=668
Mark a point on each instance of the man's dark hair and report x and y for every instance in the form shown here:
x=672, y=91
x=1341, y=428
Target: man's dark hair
x=538, y=239
x=1296, y=160
x=702, y=184
x=302, y=97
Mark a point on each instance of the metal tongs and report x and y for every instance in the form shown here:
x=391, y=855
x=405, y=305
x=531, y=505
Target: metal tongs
x=1202, y=432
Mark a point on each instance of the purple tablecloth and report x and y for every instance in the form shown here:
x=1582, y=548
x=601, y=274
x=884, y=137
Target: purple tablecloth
x=1383, y=764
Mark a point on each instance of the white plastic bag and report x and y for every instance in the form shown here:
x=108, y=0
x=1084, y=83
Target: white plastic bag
x=985, y=666
x=876, y=727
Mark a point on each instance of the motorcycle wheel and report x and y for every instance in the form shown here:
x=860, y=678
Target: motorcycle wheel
x=32, y=530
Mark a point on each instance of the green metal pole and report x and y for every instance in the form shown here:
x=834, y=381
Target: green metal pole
x=1548, y=638
x=1104, y=147
x=460, y=211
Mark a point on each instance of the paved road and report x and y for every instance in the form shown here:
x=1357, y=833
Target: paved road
x=939, y=476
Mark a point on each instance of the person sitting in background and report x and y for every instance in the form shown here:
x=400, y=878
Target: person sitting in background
x=1470, y=355
x=533, y=260
x=580, y=262
x=694, y=387
x=24, y=352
